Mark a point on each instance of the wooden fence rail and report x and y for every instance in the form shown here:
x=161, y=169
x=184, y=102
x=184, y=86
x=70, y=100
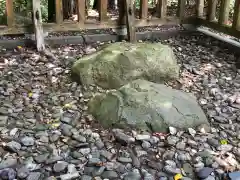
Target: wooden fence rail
x=103, y=20
x=144, y=20
x=221, y=23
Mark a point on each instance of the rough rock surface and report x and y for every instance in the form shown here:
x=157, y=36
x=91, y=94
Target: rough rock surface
x=146, y=105
x=119, y=63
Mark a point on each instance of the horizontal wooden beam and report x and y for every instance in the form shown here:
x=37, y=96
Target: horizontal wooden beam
x=73, y=26
x=220, y=28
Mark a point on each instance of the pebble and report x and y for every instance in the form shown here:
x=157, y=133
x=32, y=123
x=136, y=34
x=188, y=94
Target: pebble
x=60, y=166
x=13, y=146
x=34, y=176
x=8, y=163
x=23, y=172
x=205, y=172
x=27, y=141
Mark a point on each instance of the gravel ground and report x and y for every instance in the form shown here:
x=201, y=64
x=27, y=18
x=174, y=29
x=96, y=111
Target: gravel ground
x=46, y=132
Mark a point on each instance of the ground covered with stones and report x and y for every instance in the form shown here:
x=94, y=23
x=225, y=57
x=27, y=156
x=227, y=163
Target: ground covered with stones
x=47, y=133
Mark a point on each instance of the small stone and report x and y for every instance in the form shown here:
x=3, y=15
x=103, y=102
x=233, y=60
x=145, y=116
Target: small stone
x=120, y=136
x=79, y=138
x=3, y=120
x=27, y=141
x=99, y=144
x=44, y=139
x=34, y=176
x=172, y=130
x=204, y=128
x=69, y=176
x=181, y=145
x=213, y=142
x=109, y=174
x=188, y=169
x=86, y=177
x=13, y=146
x=172, y=140
x=54, y=137
x=41, y=158
x=71, y=168
x=8, y=174
x=192, y=132
x=60, y=166
x=146, y=145
x=170, y=170
x=141, y=137
x=85, y=151
x=23, y=172
x=205, y=172
x=134, y=175
x=8, y=163
x=234, y=175
x=125, y=160
x=108, y=155
x=225, y=147
x=53, y=159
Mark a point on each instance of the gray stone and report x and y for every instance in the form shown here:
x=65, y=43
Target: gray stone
x=146, y=145
x=34, y=176
x=9, y=162
x=133, y=176
x=108, y=155
x=13, y=146
x=8, y=174
x=122, y=62
x=27, y=141
x=79, y=138
x=205, y=172
x=41, y=158
x=3, y=120
x=109, y=174
x=122, y=137
x=53, y=159
x=22, y=172
x=60, y=166
x=124, y=160
x=86, y=177
x=141, y=137
x=147, y=106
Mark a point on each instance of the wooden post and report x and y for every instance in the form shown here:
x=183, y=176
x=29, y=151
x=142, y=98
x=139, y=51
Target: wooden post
x=236, y=15
x=211, y=14
x=162, y=8
x=181, y=9
x=10, y=13
x=200, y=8
x=129, y=6
x=224, y=12
x=102, y=7
x=37, y=21
x=81, y=11
x=143, y=9
x=59, y=11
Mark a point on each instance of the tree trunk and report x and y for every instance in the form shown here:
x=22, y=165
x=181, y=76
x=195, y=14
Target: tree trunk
x=37, y=21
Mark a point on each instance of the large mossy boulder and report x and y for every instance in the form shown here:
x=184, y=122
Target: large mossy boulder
x=119, y=63
x=147, y=106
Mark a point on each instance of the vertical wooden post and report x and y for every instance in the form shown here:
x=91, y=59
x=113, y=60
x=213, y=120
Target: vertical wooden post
x=211, y=13
x=10, y=13
x=102, y=7
x=224, y=12
x=37, y=21
x=162, y=8
x=200, y=8
x=59, y=11
x=181, y=9
x=236, y=15
x=129, y=6
x=143, y=9
x=81, y=11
